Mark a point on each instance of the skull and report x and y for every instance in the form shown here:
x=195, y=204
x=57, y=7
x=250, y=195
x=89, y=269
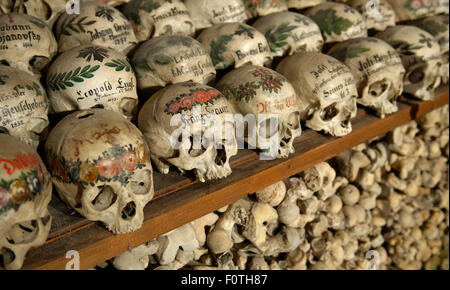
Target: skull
x=379, y=19
x=46, y=10
x=265, y=94
x=412, y=9
x=26, y=42
x=442, y=7
x=25, y=192
x=6, y=6
x=289, y=33
x=302, y=4
x=109, y=2
x=264, y=7
x=92, y=76
x=421, y=57
x=206, y=13
x=153, y=18
x=235, y=44
x=172, y=59
x=203, y=113
x=100, y=167
x=23, y=106
x=378, y=71
x=96, y=24
x=438, y=27
x=338, y=22
x=326, y=89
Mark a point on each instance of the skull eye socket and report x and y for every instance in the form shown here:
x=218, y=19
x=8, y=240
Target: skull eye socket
x=38, y=63
x=3, y=130
x=142, y=182
x=128, y=107
x=417, y=75
x=6, y=257
x=105, y=199
x=293, y=121
x=378, y=88
x=329, y=112
x=4, y=62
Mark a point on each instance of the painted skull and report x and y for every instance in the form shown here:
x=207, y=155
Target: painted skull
x=206, y=13
x=26, y=42
x=378, y=71
x=23, y=106
x=337, y=21
x=25, y=192
x=100, y=167
x=46, y=10
x=197, y=114
x=153, y=18
x=172, y=59
x=235, y=44
x=256, y=8
x=326, y=90
x=378, y=17
x=421, y=57
x=92, y=76
x=302, y=4
x=264, y=94
x=442, y=6
x=97, y=24
x=412, y=9
x=289, y=33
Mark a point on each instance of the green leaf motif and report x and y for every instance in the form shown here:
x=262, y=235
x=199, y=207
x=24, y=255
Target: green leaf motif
x=131, y=10
x=218, y=48
x=69, y=25
x=60, y=81
x=433, y=27
x=119, y=65
x=276, y=36
x=330, y=23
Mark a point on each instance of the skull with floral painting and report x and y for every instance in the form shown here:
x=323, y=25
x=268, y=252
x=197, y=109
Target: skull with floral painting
x=256, y=8
x=412, y=9
x=302, y=4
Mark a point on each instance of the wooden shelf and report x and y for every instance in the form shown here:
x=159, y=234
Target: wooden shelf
x=179, y=199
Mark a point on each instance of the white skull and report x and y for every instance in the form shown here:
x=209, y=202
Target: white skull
x=96, y=24
x=302, y=4
x=378, y=71
x=412, y=9
x=100, y=167
x=235, y=44
x=264, y=7
x=108, y=2
x=199, y=113
x=438, y=27
x=46, y=10
x=265, y=94
x=379, y=19
x=289, y=33
x=6, y=6
x=153, y=18
x=172, y=59
x=326, y=90
x=206, y=13
x=337, y=21
x=25, y=192
x=26, y=42
x=442, y=6
x=92, y=76
x=421, y=57
x=23, y=105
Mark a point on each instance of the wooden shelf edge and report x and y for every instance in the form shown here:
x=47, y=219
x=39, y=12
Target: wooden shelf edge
x=95, y=244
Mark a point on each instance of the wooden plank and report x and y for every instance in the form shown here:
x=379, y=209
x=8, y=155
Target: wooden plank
x=179, y=200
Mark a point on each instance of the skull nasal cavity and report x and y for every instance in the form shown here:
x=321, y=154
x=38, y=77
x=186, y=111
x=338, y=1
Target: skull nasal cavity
x=104, y=199
x=129, y=211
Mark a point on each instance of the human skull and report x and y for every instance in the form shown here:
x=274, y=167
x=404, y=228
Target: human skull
x=264, y=7
x=153, y=18
x=412, y=9
x=97, y=24
x=437, y=26
x=206, y=13
x=23, y=106
x=337, y=21
x=108, y=2
x=25, y=192
x=442, y=7
x=100, y=167
x=172, y=59
x=201, y=113
x=326, y=90
x=26, y=42
x=235, y=44
x=265, y=94
x=92, y=76
x=46, y=10
x=302, y=4
x=289, y=33
x=378, y=17
x=421, y=57
x=6, y=6
x=378, y=71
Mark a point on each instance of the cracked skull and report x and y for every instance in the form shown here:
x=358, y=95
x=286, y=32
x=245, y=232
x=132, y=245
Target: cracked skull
x=100, y=167
x=92, y=76
x=23, y=106
x=188, y=125
x=421, y=57
x=326, y=90
x=265, y=95
x=378, y=71
x=25, y=192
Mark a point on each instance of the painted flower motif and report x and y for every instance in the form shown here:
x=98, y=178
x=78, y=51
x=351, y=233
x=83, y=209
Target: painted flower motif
x=415, y=4
x=427, y=2
x=108, y=168
x=271, y=83
x=34, y=185
x=128, y=161
x=201, y=97
x=255, y=2
x=19, y=191
x=142, y=153
x=4, y=197
x=187, y=102
x=88, y=172
x=213, y=93
x=174, y=108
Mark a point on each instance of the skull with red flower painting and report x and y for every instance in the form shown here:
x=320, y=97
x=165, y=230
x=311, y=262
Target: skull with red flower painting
x=190, y=126
x=25, y=192
x=413, y=9
x=100, y=167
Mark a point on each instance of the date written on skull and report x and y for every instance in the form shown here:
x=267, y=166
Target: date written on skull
x=102, y=91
